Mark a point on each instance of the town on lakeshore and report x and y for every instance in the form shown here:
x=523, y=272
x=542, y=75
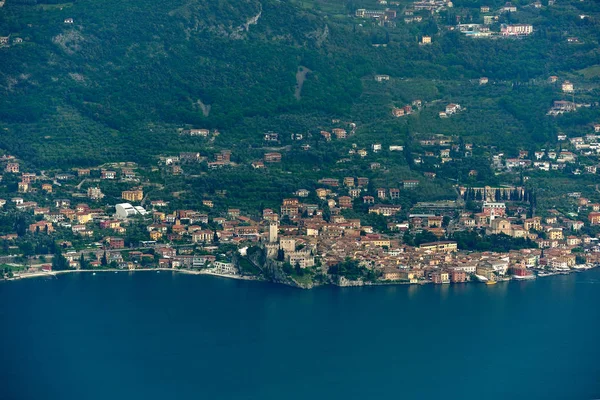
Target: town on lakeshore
x=341, y=230
x=302, y=142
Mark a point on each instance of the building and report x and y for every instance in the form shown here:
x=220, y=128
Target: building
x=381, y=78
x=272, y=157
x=273, y=232
x=104, y=174
x=594, y=218
x=426, y=40
x=452, y=108
x=271, y=137
x=494, y=209
x=500, y=226
x=439, y=247
x=12, y=167
x=133, y=195
x=567, y=87
x=440, y=277
x=340, y=133
x=126, y=210
x=516, y=30
x=95, y=193
x=115, y=242
x=386, y=210
x=41, y=227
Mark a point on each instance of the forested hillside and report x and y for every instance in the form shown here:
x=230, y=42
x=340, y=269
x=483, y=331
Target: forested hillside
x=118, y=81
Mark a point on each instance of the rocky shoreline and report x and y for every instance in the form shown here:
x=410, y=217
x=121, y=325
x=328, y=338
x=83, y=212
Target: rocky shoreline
x=280, y=279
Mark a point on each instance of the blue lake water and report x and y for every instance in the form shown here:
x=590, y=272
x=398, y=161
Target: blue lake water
x=147, y=336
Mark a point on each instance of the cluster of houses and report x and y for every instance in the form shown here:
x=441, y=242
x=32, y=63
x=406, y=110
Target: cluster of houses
x=581, y=153
x=310, y=230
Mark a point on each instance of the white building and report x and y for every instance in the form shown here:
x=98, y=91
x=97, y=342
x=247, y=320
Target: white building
x=126, y=210
x=516, y=30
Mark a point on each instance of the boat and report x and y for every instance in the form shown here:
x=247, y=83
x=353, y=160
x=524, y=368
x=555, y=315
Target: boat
x=481, y=278
x=93, y=273
x=490, y=282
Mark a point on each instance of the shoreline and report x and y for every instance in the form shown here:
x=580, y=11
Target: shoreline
x=259, y=279
x=183, y=271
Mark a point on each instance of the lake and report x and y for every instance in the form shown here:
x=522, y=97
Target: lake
x=148, y=335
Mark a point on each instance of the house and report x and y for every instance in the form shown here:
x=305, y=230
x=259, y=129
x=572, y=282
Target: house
x=271, y=137
x=104, y=174
x=12, y=167
x=197, y=132
x=95, y=193
x=339, y=133
x=484, y=9
x=452, y=108
x=345, y=202
x=381, y=78
x=483, y=81
x=397, y=112
x=594, y=218
x=516, y=30
x=302, y=193
x=329, y=182
x=68, y=20
x=258, y=164
x=426, y=40
x=567, y=87
x=115, y=242
x=272, y=157
x=439, y=277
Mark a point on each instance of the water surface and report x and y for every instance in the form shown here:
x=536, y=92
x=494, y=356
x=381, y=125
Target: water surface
x=171, y=336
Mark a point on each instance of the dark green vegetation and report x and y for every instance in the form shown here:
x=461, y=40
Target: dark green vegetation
x=350, y=269
x=472, y=240
x=118, y=82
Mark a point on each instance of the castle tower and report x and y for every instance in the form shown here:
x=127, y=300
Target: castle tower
x=273, y=232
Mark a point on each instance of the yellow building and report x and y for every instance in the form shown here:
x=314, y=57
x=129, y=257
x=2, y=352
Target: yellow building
x=555, y=234
x=133, y=195
x=47, y=187
x=156, y=235
x=83, y=217
x=440, y=247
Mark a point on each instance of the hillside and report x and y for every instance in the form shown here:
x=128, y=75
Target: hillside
x=118, y=81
